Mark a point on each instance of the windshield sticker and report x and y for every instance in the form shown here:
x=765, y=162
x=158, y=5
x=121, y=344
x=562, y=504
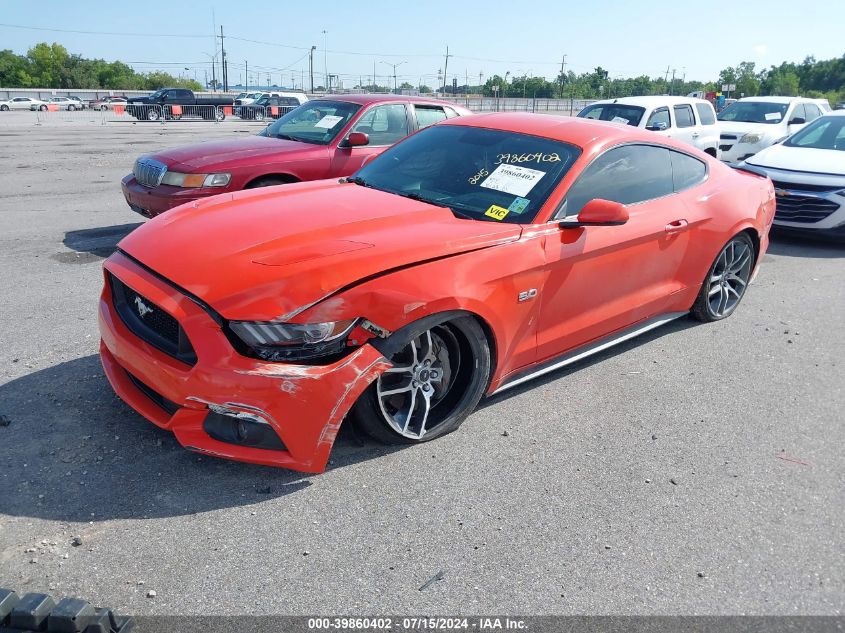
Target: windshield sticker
x=474, y=179
x=619, y=119
x=496, y=212
x=513, y=179
x=328, y=121
x=537, y=157
x=773, y=116
x=519, y=205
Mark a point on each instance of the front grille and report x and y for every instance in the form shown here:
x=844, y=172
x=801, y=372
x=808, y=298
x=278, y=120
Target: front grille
x=806, y=209
x=805, y=187
x=149, y=172
x=151, y=323
x=725, y=148
x=168, y=406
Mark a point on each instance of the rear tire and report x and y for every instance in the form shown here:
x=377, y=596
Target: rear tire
x=726, y=281
x=219, y=114
x=437, y=380
x=153, y=115
x=4, y=108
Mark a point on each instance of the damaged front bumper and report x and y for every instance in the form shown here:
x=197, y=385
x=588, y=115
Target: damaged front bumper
x=225, y=404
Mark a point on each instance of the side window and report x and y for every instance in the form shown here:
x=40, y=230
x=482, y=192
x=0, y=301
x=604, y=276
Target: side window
x=705, y=113
x=659, y=119
x=686, y=171
x=798, y=113
x=385, y=124
x=627, y=174
x=450, y=113
x=683, y=115
x=812, y=111
x=429, y=115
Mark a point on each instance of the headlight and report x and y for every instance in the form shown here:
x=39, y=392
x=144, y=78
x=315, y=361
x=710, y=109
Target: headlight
x=280, y=342
x=175, y=179
x=751, y=138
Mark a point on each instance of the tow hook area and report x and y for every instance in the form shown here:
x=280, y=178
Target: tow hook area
x=374, y=329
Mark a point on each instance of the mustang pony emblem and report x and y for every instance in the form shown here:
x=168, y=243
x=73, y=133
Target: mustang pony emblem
x=143, y=308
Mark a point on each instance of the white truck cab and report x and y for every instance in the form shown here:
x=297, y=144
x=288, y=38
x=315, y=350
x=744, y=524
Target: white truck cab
x=754, y=123
x=685, y=119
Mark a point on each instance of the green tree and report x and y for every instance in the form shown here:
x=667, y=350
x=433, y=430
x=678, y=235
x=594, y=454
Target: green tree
x=47, y=63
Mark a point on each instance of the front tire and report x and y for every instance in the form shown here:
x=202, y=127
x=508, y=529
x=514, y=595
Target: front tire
x=726, y=281
x=437, y=380
x=4, y=108
x=153, y=115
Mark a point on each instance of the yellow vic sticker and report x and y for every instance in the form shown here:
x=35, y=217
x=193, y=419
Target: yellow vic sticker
x=496, y=212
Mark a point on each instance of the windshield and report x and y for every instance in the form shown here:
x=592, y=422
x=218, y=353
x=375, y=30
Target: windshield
x=241, y=95
x=316, y=122
x=617, y=112
x=480, y=174
x=156, y=94
x=754, y=112
x=255, y=95
x=828, y=132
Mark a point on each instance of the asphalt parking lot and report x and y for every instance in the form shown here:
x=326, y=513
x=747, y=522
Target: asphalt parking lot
x=698, y=469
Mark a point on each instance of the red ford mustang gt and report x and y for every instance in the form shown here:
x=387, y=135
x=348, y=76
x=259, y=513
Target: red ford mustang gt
x=469, y=258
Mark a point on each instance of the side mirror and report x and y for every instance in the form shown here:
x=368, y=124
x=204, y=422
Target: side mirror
x=657, y=127
x=357, y=139
x=797, y=121
x=599, y=212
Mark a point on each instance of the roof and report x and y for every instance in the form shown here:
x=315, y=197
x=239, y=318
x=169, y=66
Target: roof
x=574, y=130
x=775, y=99
x=652, y=101
x=366, y=99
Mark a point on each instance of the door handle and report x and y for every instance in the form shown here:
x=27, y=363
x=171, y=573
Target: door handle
x=676, y=226
x=695, y=134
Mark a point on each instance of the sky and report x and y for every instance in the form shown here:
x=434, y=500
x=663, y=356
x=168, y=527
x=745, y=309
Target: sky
x=696, y=39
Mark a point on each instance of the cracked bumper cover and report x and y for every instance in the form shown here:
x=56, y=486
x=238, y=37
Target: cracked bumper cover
x=304, y=404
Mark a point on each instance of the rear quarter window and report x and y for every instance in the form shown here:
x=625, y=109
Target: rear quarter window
x=705, y=114
x=686, y=171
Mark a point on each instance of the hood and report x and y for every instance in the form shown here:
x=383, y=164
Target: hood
x=806, y=159
x=213, y=155
x=268, y=254
x=740, y=127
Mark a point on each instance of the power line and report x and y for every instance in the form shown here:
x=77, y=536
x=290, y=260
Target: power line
x=41, y=28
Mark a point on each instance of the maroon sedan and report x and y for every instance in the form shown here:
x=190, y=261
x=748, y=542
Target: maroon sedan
x=322, y=138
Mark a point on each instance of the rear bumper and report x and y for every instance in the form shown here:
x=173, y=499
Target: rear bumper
x=152, y=202
x=304, y=405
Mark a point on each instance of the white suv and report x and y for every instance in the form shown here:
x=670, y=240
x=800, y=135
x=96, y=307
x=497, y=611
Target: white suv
x=754, y=123
x=682, y=118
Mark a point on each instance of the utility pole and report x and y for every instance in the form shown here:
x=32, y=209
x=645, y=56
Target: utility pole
x=374, y=74
x=311, y=66
x=325, y=53
x=562, y=70
x=223, y=63
x=246, y=73
x=395, y=87
x=445, y=69
x=672, y=85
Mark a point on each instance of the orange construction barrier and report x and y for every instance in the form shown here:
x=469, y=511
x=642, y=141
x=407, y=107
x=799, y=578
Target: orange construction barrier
x=176, y=110
x=52, y=107
x=274, y=110
x=227, y=110
x=119, y=109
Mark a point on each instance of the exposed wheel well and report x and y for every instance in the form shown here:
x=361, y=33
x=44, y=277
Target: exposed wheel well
x=262, y=181
x=491, y=343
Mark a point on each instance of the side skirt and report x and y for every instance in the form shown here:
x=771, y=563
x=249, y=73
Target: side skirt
x=589, y=349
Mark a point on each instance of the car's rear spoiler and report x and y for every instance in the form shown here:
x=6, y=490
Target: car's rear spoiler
x=751, y=169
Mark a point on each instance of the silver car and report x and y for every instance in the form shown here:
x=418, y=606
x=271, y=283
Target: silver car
x=22, y=103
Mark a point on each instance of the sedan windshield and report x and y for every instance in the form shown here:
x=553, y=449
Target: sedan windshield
x=617, y=112
x=478, y=173
x=827, y=132
x=316, y=122
x=754, y=112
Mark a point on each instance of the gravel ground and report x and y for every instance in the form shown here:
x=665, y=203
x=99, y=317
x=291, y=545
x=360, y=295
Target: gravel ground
x=698, y=469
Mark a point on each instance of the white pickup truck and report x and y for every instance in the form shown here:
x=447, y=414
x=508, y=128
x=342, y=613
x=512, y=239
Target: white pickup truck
x=683, y=118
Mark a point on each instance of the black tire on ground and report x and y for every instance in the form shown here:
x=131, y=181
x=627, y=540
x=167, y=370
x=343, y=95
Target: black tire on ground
x=738, y=255
x=71, y=108
x=270, y=181
x=461, y=357
x=43, y=108
x=219, y=114
x=4, y=108
x=153, y=114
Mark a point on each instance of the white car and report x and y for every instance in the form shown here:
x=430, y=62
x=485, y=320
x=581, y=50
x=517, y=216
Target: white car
x=753, y=123
x=808, y=171
x=245, y=98
x=22, y=103
x=685, y=119
x=63, y=103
